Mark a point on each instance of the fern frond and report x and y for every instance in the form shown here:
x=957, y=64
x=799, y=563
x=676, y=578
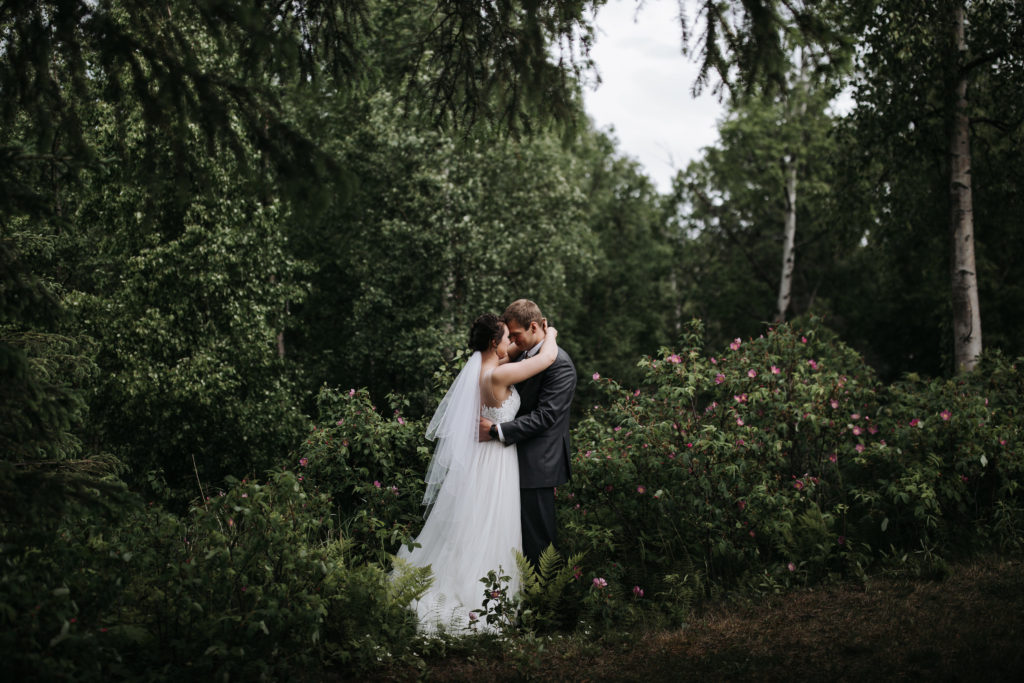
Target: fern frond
x=407, y=582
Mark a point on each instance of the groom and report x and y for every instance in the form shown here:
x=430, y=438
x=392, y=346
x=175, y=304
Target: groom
x=540, y=430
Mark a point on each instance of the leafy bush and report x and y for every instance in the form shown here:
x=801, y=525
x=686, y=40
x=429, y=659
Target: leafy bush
x=254, y=583
x=784, y=461
x=371, y=466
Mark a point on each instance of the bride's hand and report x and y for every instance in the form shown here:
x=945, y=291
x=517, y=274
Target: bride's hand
x=551, y=333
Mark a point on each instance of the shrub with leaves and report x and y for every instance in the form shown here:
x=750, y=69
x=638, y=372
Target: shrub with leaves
x=782, y=460
x=253, y=583
x=371, y=465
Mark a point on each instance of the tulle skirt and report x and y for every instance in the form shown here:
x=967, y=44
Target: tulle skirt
x=474, y=527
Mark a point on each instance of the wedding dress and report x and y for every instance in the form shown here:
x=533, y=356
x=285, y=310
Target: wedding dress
x=473, y=525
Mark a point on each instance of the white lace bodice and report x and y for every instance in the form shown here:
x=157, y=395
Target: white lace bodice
x=503, y=413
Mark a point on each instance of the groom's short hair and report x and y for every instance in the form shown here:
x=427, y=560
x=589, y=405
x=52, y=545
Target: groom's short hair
x=524, y=312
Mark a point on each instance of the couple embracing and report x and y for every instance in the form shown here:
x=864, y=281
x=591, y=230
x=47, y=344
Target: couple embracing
x=502, y=434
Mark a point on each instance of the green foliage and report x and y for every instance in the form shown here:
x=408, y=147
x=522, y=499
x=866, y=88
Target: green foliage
x=371, y=466
x=783, y=461
x=255, y=582
x=543, y=602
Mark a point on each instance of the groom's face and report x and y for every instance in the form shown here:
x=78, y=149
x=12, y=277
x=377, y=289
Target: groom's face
x=524, y=337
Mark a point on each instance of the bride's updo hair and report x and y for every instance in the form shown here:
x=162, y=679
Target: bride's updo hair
x=486, y=328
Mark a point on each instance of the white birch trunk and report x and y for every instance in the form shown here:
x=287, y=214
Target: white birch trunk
x=788, y=242
x=966, y=309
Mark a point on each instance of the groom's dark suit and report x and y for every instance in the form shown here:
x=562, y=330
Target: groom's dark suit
x=541, y=434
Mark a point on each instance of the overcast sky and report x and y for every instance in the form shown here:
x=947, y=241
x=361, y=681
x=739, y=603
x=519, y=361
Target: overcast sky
x=645, y=90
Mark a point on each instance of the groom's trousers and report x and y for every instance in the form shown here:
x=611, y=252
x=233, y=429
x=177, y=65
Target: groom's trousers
x=537, y=510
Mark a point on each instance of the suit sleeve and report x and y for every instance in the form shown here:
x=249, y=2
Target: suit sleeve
x=556, y=393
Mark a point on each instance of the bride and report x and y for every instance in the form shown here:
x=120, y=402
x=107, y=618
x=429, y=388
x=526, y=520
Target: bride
x=472, y=496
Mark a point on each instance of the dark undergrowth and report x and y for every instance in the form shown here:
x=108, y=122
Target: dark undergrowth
x=968, y=626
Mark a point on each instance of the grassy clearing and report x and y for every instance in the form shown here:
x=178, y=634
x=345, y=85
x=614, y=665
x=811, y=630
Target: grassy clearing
x=968, y=627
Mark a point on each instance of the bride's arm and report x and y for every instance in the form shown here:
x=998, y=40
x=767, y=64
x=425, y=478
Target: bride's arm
x=510, y=373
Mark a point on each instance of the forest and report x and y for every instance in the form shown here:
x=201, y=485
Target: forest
x=241, y=245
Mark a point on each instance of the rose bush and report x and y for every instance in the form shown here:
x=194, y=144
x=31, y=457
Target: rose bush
x=783, y=460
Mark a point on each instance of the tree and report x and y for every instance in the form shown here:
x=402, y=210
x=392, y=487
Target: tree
x=919, y=64
x=736, y=206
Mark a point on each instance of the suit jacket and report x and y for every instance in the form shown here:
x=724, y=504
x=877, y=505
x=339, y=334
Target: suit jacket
x=541, y=428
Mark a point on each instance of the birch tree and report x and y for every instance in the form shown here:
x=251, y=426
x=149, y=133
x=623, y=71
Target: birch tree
x=919, y=63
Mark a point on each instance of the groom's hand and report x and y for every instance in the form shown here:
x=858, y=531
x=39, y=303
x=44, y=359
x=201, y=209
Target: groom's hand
x=485, y=426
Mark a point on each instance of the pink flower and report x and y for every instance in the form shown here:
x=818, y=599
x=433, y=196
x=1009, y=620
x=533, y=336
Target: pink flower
x=636, y=393
x=231, y=522
x=791, y=567
x=798, y=485
x=915, y=422
x=739, y=421
x=859, y=448
x=400, y=420
x=742, y=505
x=857, y=431
x=842, y=540
x=834, y=403
x=473, y=616
x=597, y=376
x=719, y=378
x=872, y=429
x=675, y=359
x=813, y=364
x=689, y=445
x=833, y=458
x=618, y=429
x=963, y=478
x=351, y=392
x=303, y=462
x=740, y=398
x=600, y=583
x=713, y=361
x=803, y=340
x=775, y=370
x=752, y=533
x=855, y=416
x=576, y=573
x=945, y=415
x=638, y=592
x=751, y=373
x=641, y=490
x=376, y=483
x=735, y=344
